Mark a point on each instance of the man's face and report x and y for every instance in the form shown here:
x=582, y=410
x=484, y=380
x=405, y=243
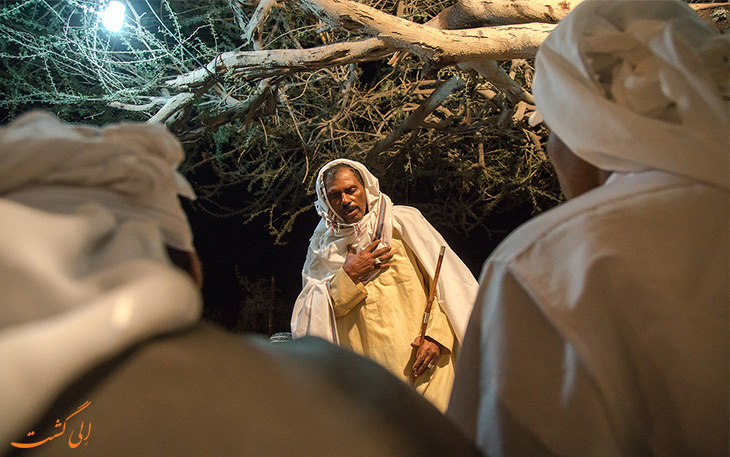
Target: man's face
x=346, y=196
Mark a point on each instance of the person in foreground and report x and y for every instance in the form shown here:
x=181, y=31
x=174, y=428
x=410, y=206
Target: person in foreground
x=601, y=327
x=366, y=282
x=101, y=347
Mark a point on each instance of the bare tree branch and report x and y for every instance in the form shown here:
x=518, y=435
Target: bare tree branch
x=415, y=119
x=256, y=23
x=173, y=105
x=501, y=80
x=480, y=13
x=239, y=16
x=246, y=109
x=438, y=47
x=147, y=106
x=253, y=65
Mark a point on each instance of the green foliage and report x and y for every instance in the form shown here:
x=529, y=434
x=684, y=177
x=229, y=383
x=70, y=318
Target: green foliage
x=57, y=55
x=462, y=169
x=468, y=162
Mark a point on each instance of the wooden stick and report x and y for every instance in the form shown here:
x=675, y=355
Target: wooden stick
x=431, y=296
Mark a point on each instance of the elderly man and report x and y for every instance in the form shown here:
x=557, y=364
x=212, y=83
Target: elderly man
x=100, y=349
x=601, y=327
x=367, y=277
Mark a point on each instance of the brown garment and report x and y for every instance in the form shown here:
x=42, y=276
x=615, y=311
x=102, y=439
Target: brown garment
x=209, y=392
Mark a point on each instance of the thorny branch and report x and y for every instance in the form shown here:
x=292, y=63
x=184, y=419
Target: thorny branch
x=263, y=94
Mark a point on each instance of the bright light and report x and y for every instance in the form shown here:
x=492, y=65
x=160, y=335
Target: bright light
x=113, y=17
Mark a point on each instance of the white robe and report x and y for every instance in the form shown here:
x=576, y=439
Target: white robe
x=601, y=327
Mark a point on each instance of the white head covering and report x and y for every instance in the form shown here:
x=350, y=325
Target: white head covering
x=332, y=236
x=126, y=167
x=637, y=85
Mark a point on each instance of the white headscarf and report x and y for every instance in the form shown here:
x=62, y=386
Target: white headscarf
x=127, y=167
x=332, y=236
x=636, y=85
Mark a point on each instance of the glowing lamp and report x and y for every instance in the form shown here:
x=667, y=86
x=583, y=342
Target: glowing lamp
x=113, y=17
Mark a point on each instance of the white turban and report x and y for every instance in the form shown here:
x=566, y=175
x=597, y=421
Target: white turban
x=127, y=167
x=637, y=85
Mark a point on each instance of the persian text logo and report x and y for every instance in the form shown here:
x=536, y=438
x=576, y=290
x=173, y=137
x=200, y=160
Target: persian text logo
x=74, y=439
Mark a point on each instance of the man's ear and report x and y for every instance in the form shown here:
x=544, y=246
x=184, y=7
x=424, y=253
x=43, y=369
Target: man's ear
x=576, y=176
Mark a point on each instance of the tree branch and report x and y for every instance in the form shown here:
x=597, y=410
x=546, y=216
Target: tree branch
x=246, y=109
x=256, y=23
x=495, y=74
x=138, y=108
x=439, y=47
x=481, y=13
x=415, y=118
x=173, y=105
x=255, y=65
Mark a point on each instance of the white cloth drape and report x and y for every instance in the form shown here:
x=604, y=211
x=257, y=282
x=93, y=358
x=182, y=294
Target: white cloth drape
x=127, y=167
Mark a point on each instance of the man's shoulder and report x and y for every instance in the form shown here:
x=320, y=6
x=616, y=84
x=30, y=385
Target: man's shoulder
x=408, y=217
x=622, y=205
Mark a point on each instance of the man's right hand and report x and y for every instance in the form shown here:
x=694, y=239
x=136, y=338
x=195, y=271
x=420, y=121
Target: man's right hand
x=360, y=264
